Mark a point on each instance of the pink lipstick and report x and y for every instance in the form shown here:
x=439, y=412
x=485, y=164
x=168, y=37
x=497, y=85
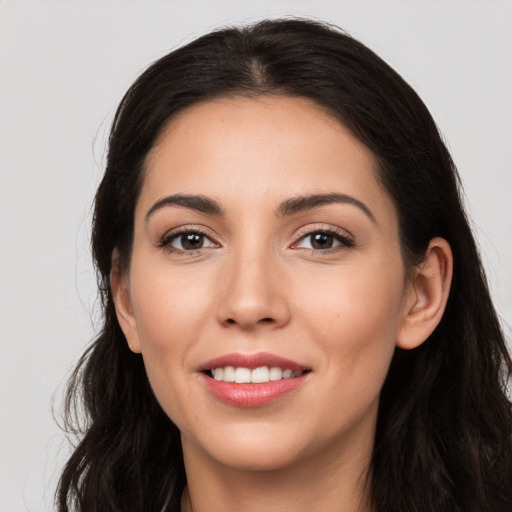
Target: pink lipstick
x=252, y=380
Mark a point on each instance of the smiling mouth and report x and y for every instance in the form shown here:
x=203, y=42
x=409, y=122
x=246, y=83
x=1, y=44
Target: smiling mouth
x=253, y=380
x=260, y=375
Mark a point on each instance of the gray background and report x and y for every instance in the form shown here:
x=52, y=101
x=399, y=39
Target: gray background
x=63, y=69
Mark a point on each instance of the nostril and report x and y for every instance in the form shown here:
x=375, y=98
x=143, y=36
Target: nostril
x=266, y=320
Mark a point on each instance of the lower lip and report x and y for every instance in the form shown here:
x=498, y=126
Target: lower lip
x=252, y=395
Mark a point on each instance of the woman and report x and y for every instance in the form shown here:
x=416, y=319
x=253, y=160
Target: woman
x=296, y=316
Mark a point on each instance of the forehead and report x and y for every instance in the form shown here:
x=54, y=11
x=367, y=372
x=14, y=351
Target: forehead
x=250, y=151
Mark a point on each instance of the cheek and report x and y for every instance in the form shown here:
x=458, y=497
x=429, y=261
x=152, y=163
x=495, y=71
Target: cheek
x=170, y=307
x=356, y=313
x=169, y=313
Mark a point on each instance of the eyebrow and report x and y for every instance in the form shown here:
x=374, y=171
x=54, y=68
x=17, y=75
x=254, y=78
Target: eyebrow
x=291, y=206
x=302, y=203
x=199, y=203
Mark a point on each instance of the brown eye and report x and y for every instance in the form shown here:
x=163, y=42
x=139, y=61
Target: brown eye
x=323, y=240
x=187, y=241
x=191, y=241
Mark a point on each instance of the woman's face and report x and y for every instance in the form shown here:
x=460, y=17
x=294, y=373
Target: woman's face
x=265, y=246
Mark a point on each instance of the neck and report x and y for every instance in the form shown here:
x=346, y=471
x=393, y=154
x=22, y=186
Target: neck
x=330, y=481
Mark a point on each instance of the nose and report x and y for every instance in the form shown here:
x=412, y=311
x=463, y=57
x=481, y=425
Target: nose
x=253, y=294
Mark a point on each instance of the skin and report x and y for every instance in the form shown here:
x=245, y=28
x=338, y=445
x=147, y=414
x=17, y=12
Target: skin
x=257, y=285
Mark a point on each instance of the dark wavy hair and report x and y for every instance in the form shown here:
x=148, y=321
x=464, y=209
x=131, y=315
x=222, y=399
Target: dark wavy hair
x=443, y=440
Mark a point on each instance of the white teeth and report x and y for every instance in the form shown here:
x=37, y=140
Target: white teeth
x=287, y=374
x=275, y=373
x=229, y=374
x=242, y=375
x=259, y=375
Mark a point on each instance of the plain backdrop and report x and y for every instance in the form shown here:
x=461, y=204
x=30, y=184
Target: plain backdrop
x=64, y=66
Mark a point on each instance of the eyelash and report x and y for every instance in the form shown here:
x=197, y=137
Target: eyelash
x=344, y=240
x=166, y=241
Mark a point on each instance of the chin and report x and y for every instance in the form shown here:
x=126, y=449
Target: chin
x=257, y=459
x=251, y=449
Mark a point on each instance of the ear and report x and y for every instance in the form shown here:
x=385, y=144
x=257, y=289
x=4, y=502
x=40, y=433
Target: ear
x=427, y=295
x=120, y=286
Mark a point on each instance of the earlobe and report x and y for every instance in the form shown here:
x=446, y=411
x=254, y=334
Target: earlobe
x=119, y=285
x=427, y=295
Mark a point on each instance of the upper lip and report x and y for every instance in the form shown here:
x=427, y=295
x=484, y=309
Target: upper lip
x=252, y=361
